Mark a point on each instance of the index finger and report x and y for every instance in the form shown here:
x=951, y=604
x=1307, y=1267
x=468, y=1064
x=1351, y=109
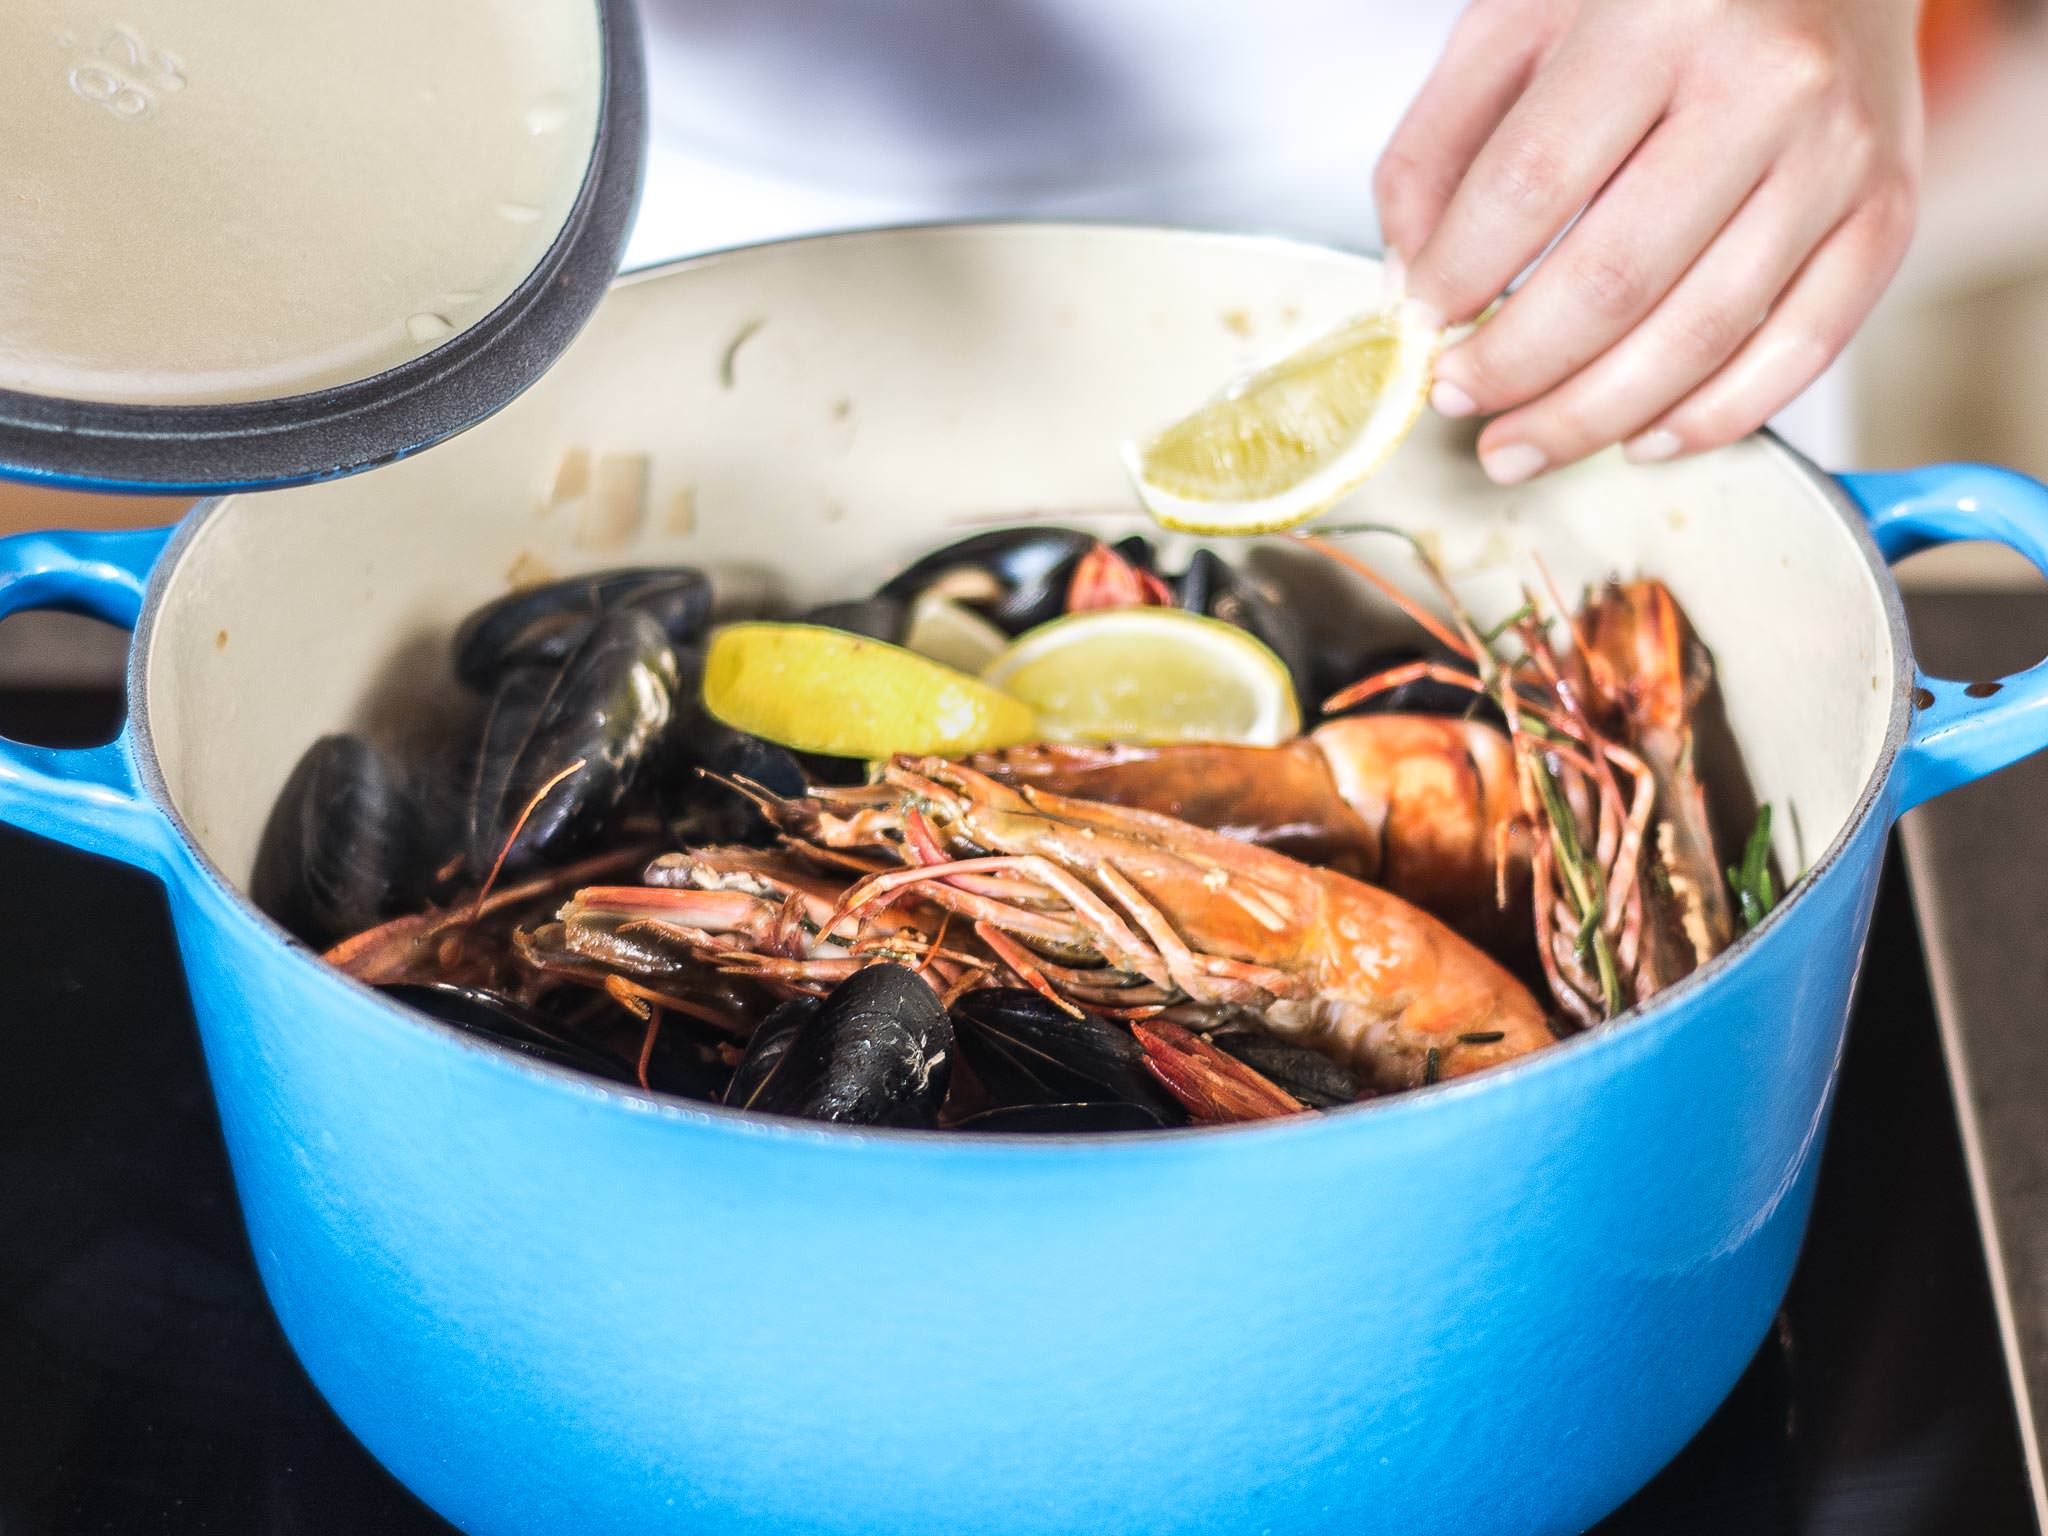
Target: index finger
x=1572, y=129
x=1486, y=65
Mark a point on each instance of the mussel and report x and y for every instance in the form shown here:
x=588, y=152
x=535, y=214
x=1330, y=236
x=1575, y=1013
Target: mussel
x=877, y=1051
x=878, y=618
x=342, y=849
x=1421, y=696
x=1214, y=587
x=510, y=1023
x=704, y=756
x=586, y=732
x=1015, y=577
x=767, y=1047
x=1309, y=1075
x=539, y=627
x=1087, y=1117
x=685, y=1064
x=1024, y=1050
x=1138, y=551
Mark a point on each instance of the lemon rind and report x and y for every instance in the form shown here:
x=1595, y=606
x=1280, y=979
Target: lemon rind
x=1274, y=725
x=1319, y=491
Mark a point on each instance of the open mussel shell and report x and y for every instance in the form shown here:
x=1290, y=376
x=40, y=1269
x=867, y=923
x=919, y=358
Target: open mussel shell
x=765, y=1050
x=1139, y=551
x=1015, y=577
x=539, y=627
x=1423, y=696
x=704, y=756
x=1024, y=1050
x=586, y=732
x=685, y=1065
x=343, y=848
x=1309, y=1075
x=1215, y=588
x=878, y=1051
x=1086, y=1118
x=878, y=618
x=508, y=1022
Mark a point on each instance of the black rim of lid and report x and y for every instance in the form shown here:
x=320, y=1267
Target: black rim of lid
x=207, y=449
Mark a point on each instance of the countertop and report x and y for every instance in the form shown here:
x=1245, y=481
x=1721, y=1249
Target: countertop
x=1978, y=863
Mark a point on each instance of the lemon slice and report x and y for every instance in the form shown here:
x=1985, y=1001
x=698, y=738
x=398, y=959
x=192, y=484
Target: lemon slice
x=1292, y=440
x=843, y=695
x=1147, y=675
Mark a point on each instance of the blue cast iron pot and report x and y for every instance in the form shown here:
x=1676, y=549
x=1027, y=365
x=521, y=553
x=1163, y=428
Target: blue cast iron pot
x=1496, y=1305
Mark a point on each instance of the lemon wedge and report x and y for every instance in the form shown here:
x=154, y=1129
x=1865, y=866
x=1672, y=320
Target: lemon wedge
x=1288, y=442
x=1148, y=675
x=840, y=694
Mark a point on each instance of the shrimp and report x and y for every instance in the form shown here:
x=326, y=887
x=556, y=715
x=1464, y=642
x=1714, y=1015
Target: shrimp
x=1645, y=673
x=1424, y=806
x=1105, y=905
x=1628, y=897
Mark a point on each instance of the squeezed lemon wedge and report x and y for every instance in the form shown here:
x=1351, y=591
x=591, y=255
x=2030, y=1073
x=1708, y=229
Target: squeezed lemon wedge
x=814, y=689
x=1290, y=441
x=1149, y=675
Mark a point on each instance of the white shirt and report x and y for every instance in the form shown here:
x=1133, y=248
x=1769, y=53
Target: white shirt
x=783, y=117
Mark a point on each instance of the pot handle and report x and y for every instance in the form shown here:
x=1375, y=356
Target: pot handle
x=87, y=797
x=1962, y=731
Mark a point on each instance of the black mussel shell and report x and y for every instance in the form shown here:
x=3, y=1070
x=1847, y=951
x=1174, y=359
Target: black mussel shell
x=1026, y=570
x=1137, y=550
x=1308, y=1074
x=879, y=618
x=1088, y=1117
x=1213, y=586
x=878, y=1051
x=510, y=1023
x=703, y=750
x=343, y=848
x=607, y=706
x=686, y=1066
x=1195, y=588
x=517, y=703
x=1024, y=1050
x=770, y=1043
x=821, y=770
x=541, y=626
x=1424, y=696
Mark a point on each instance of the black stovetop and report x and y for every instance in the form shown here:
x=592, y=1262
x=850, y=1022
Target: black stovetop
x=144, y=1386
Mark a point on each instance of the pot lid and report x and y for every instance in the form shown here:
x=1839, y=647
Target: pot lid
x=260, y=242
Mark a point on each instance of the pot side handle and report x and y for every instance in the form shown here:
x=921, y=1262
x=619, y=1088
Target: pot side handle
x=87, y=797
x=1970, y=729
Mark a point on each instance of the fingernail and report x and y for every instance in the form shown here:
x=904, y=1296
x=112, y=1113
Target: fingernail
x=1513, y=464
x=1652, y=447
x=1446, y=399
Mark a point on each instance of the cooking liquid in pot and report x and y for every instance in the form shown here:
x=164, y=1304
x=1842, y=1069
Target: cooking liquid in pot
x=253, y=199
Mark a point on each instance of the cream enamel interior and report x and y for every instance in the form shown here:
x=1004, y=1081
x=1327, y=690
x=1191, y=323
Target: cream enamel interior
x=251, y=199
x=813, y=415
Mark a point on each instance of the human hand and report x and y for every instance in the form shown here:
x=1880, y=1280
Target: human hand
x=1748, y=174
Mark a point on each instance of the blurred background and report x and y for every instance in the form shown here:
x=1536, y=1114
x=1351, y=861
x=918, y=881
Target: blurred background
x=1953, y=365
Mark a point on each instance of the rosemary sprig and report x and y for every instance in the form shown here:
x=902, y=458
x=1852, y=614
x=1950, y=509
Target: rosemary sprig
x=1580, y=873
x=1526, y=611
x=1582, y=886
x=1755, y=892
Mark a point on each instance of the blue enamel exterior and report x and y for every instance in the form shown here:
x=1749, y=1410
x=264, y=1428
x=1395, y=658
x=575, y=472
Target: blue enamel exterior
x=1497, y=1305
x=1963, y=736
